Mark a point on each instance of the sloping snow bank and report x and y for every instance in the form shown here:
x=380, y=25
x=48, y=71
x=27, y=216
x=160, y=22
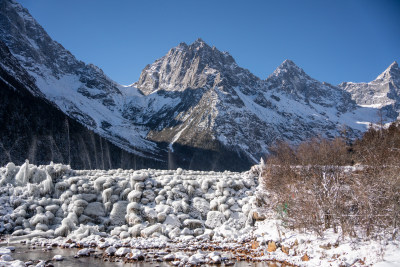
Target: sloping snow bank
x=167, y=208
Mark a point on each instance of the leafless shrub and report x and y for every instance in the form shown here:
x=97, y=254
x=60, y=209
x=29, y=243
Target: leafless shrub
x=312, y=189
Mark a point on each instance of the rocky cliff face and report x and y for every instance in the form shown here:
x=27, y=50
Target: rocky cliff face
x=383, y=92
x=34, y=128
x=193, y=108
x=206, y=100
x=193, y=66
x=81, y=91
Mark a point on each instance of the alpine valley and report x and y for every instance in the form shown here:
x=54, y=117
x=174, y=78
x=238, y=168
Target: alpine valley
x=194, y=108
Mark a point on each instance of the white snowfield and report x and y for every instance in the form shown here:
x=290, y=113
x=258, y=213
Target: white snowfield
x=163, y=208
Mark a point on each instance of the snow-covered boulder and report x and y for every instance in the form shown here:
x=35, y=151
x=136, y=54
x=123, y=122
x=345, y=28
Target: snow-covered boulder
x=5, y=251
x=110, y=251
x=118, y=213
x=214, y=219
x=134, y=196
x=150, y=215
x=95, y=209
x=192, y=223
x=122, y=251
x=135, y=230
x=6, y=258
x=136, y=254
x=172, y=220
x=201, y=205
x=148, y=231
x=58, y=258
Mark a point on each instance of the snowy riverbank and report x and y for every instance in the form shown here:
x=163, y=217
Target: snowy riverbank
x=197, y=216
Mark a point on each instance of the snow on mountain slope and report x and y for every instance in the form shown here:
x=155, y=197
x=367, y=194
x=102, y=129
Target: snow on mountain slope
x=195, y=104
x=82, y=91
x=383, y=92
x=230, y=106
x=34, y=128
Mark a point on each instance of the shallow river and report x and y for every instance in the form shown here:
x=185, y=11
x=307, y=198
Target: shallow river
x=25, y=253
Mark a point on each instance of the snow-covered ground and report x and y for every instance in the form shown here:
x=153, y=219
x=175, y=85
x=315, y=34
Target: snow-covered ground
x=200, y=217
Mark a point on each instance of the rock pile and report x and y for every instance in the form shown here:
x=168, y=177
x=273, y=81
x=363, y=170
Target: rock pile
x=54, y=200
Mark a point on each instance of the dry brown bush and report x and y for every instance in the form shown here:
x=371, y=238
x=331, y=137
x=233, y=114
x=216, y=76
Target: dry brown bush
x=312, y=189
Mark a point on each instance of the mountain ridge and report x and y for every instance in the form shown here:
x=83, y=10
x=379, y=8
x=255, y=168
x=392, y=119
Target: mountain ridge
x=383, y=92
x=195, y=107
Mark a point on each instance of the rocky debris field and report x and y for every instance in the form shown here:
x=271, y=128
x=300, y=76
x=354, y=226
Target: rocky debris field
x=180, y=205
x=178, y=217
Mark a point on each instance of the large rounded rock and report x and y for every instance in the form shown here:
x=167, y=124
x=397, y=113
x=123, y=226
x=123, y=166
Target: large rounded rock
x=89, y=197
x=148, y=231
x=134, y=195
x=201, y=205
x=135, y=230
x=94, y=209
x=118, y=213
x=172, y=220
x=214, y=219
x=192, y=223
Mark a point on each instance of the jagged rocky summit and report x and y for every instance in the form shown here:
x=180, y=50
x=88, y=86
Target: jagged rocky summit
x=193, y=108
x=383, y=92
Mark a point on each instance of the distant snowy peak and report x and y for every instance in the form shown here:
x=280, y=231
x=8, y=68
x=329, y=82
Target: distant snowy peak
x=384, y=91
x=193, y=66
x=289, y=69
x=392, y=72
x=291, y=80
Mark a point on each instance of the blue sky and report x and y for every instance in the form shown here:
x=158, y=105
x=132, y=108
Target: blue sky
x=333, y=41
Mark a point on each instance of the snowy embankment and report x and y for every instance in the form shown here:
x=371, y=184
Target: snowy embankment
x=124, y=212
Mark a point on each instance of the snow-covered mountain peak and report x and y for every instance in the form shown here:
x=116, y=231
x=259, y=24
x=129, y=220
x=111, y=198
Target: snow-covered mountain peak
x=81, y=91
x=383, y=92
x=291, y=80
x=199, y=43
x=392, y=72
x=195, y=104
x=197, y=65
x=288, y=70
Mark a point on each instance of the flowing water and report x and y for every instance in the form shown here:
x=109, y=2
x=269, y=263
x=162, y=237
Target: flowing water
x=26, y=253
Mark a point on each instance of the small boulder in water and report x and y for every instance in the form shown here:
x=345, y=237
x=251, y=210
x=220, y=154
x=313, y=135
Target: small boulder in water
x=110, y=251
x=58, y=258
x=6, y=257
x=122, y=251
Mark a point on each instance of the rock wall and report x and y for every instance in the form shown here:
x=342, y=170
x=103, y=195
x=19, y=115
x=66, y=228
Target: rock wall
x=54, y=200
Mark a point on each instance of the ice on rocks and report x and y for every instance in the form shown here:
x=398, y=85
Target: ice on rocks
x=84, y=252
x=172, y=220
x=148, y=231
x=6, y=258
x=5, y=251
x=118, y=213
x=58, y=258
x=135, y=254
x=134, y=196
x=168, y=204
x=135, y=230
x=95, y=209
x=193, y=223
x=214, y=219
x=122, y=251
x=169, y=257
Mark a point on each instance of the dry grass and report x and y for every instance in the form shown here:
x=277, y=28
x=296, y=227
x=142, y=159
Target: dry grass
x=311, y=189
